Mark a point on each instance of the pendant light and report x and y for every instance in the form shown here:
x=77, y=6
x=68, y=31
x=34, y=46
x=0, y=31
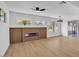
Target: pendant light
x=59, y=20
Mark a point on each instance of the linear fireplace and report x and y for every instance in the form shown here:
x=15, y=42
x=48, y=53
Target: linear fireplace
x=31, y=34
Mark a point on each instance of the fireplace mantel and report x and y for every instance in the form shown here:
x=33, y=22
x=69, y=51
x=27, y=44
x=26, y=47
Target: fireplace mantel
x=28, y=26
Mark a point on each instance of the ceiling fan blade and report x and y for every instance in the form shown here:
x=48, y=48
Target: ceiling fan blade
x=38, y=9
x=33, y=9
x=42, y=9
x=62, y=2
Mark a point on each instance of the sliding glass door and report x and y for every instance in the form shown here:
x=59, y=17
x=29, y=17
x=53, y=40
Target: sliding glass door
x=73, y=28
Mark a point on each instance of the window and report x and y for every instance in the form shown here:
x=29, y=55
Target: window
x=51, y=26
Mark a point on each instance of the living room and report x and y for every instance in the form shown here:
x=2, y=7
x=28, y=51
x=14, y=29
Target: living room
x=39, y=28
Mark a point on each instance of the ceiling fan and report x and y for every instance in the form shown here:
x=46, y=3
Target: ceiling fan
x=38, y=9
x=63, y=2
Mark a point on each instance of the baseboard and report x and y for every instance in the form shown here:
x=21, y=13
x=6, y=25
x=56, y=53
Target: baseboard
x=55, y=36
x=5, y=50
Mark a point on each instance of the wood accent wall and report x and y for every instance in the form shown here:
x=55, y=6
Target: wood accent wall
x=17, y=34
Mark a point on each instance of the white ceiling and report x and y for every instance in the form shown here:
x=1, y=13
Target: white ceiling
x=53, y=8
x=76, y=3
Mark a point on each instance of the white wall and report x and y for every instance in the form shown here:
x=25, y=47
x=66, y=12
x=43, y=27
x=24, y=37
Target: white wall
x=64, y=28
x=4, y=31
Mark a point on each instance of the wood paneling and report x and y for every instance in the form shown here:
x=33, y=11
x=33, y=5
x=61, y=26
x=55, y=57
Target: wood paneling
x=41, y=33
x=27, y=30
x=18, y=34
x=15, y=35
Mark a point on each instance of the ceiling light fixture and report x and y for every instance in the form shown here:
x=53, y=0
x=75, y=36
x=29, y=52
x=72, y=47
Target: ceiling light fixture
x=59, y=19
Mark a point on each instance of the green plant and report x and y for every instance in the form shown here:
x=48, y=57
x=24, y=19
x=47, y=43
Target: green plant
x=24, y=22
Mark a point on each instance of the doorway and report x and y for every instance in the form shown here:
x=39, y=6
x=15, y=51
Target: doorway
x=73, y=28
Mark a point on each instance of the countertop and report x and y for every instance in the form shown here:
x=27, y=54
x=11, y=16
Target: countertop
x=28, y=27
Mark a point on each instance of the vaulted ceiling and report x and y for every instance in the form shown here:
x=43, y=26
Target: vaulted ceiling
x=70, y=10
